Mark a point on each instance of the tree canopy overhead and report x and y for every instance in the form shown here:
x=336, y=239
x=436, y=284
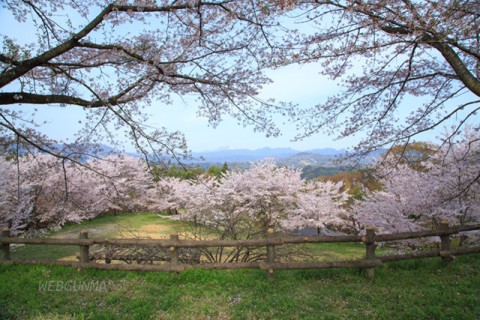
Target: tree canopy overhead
x=113, y=58
x=428, y=49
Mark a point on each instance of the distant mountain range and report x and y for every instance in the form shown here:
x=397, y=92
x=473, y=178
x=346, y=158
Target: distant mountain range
x=313, y=162
x=283, y=156
x=258, y=154
x=245, y=155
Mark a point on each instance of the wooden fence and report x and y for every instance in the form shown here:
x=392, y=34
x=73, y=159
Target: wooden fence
x=270, y=243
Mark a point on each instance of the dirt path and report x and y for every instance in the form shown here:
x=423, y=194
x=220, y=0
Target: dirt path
x=150, y=231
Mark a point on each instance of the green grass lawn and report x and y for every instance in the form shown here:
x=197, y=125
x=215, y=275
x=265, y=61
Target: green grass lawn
x=103, y=227
x=420, y=289
x=113, y=225
x=408, y=290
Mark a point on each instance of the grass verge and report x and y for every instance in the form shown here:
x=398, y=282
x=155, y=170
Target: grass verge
x=421, y=289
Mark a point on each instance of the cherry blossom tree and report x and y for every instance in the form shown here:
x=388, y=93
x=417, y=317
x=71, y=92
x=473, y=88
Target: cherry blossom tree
x=34, y=193
x=406, y=67
x=443, y=187
x=15, y=203
x=249, y=202
x=44, y=191
x=122, y=183
x=113, y=59
x=245, y=204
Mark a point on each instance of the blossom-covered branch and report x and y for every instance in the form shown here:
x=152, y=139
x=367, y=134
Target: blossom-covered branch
x=386, y=52
x=118, y=58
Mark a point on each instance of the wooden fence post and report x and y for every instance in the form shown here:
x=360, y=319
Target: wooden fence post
x=370, y=247
x=270, y=254
x=173, y=251
x=84, y=249
x=445, y=243
x=5, y=247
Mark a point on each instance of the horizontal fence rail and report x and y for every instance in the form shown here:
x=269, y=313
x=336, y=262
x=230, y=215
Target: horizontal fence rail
x=166, y=243
x=174, y=251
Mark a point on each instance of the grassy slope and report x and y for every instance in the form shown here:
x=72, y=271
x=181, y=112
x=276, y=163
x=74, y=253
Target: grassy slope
x=421, y=289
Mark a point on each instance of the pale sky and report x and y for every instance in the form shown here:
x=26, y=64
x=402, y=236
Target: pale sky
x=297, y=84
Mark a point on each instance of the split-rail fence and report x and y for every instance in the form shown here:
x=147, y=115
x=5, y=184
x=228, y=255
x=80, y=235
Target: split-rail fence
x=173, y=245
